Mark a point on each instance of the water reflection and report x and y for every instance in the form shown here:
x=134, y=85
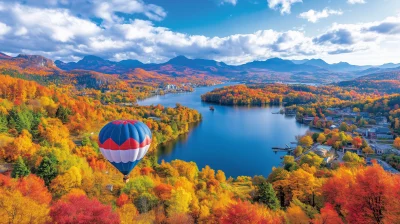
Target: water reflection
x=167, y=148
x=235, y=139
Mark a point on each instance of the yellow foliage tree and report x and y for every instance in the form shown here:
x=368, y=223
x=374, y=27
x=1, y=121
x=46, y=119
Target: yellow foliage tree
x=306, y=141
x=127, y=213
x=21, y=146
x=54, y=131
x=396, y=143
x=15, y=208
x=64, y=183
x=179, y=202
x=220, y=176
x=321, y=138
x=295, y=215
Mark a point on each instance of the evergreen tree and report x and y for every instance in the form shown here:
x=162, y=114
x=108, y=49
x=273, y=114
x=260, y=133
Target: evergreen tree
x=21, y=119
x=20, y=169
x=86, y=141
x=3, y=123
x=266, y=195
x=63, y=114
x=47, y=169
x=35, y=124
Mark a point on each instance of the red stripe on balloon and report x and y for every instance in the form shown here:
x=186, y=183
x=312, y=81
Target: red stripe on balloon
x=130, y=143
x=124, y=122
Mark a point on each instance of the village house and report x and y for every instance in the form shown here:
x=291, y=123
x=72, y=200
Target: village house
x=381, y=120
x=307, y=120
x=351, y=149
x=171, y=87
x=371, y=133
x=323, y=150
x=361, y=131
x=384, y=133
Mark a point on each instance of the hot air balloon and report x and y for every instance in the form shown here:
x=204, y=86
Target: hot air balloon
x=124, y=143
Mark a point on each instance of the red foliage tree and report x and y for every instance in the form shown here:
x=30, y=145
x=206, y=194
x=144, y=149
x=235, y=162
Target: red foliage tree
x=82, y=210
x=328, y=216
x=367, y=203
x=241, y=212
x=34, y=188
x=122, y=199
x=357, y=142
x=163, y=191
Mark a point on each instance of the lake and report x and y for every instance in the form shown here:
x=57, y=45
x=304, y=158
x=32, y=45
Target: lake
x=236, y=140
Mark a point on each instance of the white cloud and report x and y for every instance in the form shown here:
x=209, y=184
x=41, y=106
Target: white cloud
x=107, y=10
x=352, y=2
x=21, y=31
x=4, y=29
x=233, y=2
x=59, y=34
x=58, y=24
x=313, y=16
x=283, y=5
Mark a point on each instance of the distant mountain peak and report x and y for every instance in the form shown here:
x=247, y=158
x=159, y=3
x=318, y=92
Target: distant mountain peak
x=179, y=59
x=342, y=63
x=37, y=60
x=4, y=56
x=92, y=58
x=317, y=62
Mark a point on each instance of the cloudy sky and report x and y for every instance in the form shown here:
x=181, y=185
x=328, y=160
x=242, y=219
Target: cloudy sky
x=234, y=31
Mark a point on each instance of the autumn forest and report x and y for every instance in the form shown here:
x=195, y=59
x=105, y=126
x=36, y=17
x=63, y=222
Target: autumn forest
x=52, y=170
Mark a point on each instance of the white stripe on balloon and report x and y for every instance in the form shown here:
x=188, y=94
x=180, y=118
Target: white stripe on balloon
x=124, y=156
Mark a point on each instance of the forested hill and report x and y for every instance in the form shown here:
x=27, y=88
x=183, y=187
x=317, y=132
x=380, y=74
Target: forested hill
x=387, y=82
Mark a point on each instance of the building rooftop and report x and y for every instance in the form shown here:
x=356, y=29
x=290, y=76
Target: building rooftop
x=324, y=147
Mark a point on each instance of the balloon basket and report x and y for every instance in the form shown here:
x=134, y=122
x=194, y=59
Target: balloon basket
x=126, y=179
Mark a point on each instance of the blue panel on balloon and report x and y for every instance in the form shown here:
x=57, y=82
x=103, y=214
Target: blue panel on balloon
x=125, y=168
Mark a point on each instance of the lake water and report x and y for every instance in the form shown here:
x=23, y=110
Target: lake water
x=237, y=140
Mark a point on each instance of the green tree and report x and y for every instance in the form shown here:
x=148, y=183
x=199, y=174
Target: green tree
x=47, y=169
x=289, y=163
x=266, y=195
x=298, y=151
x=20, y=169
x=311, y=159
x=315, y=136
x=3, y=123
x=86, y=141
x=145, y=202
x=174, y=127
x=352, y=159
x=138, y=185
x=20, y=119
x=343, y=126
x=63, y=114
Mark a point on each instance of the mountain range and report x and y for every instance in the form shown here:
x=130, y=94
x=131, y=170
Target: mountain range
x=274, y=69
x=274, y=64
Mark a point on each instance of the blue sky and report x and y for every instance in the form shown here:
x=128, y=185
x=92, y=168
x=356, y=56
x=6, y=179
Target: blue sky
x=233, y=31
x=207, y=17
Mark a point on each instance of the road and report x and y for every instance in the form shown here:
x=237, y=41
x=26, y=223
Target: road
x=387, y=167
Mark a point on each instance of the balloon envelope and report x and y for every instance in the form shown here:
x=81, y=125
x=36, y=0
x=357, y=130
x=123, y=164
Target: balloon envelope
x=124, y=143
